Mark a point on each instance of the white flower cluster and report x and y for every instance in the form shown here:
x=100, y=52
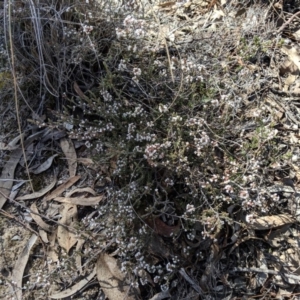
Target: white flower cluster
x=138, y=112
x=87, y=29
x=85, y=132
x=131, y=5
x=156, y=151
x=133, y=28
x=106, y=96
x=201, y=142
x=122, y=65
x=137, y=72
x=193, y=71
x=196, y=121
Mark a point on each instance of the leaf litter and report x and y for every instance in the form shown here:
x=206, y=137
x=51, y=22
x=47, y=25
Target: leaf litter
x=274, y=229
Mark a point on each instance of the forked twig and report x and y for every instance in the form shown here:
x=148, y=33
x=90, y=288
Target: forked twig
x=288, y=22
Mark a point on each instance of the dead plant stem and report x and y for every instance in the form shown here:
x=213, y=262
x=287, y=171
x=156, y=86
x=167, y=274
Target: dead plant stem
x=13, y=71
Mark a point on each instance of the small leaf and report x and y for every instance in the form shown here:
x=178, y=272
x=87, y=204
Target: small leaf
x=17, y=274
x=44, y=166
x=67, y=239
x=70, y=153
x=62, y=188
x=75, y=288
x=111, y=279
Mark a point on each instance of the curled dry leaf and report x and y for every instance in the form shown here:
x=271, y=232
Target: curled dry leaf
x=269, y=222
x=44, y=166
x=66, y=238
x=17, y=274
x=162, y=228
x=8, y=175
x=35, y=216
x=111, y=279
x=75, y=288
x=62, y=188
x=81, y=190
x=40, y=193
x=13, y=144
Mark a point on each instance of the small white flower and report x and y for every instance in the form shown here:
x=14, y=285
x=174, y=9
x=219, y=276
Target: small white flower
x=190, y=208
x=137, y=71
x=249, y=218
x=162, y=108
x=122, y=65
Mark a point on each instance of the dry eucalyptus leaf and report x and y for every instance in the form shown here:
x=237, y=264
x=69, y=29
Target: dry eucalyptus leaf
x=40, y=193
x=70, y=153
x=67, y=239
x=62, y=188
x=17, y=274
x=261, y=277
x=14, y=143
x=39, y=220
x=80, y=92
x=80, y=200
x=111, y=279
x=81, y=190
x=85, y=161
x=269, y=222
x=43, y=235
x=161, y=295
x=44, y=166
x=75, y=288
x=15, y=190
x=52, y=251
x=88, y=162
x=7, y=175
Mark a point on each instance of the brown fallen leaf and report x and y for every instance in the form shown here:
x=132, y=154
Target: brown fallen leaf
x=111, y=279
x=85, y=161
x=39, y=220
x=75, y=288
x=162, y=228
x=43, y=235
x=269, y=222
x=70, y=153
x=52, y=251
x=81, y=190
x=67, y=239
x=62, y=188
x=80, y=200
